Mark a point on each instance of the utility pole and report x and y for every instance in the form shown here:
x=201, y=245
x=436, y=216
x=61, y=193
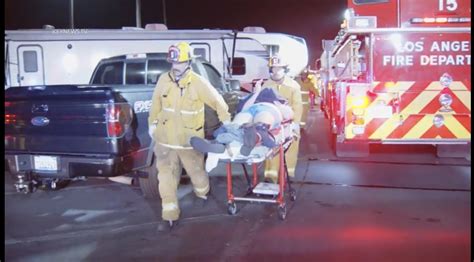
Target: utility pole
x=138, y=13
x=71, y=14
x=164, y=11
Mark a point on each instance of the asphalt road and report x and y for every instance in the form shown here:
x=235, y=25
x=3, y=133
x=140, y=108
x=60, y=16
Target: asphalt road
x=399, y=204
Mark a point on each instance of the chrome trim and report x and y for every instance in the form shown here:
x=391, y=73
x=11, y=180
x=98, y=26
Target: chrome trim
x=249, y=199
x=399, y=18
x=426, y=141
x=371, y=58
x=410, y=29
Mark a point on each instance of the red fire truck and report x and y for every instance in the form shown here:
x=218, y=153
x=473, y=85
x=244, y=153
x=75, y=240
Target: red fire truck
x=398, y=72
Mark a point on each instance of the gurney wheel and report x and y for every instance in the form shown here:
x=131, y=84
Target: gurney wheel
x=293, y=194
x=282, y=212
x=232, y=208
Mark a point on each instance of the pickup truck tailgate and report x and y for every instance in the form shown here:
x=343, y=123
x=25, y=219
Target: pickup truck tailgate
x=59, y=119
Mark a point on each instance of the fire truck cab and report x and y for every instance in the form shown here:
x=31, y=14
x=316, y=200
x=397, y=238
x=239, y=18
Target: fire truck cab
x=398, y=72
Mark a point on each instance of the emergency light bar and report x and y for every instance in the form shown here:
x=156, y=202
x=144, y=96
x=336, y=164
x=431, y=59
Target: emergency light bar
x=440, y=20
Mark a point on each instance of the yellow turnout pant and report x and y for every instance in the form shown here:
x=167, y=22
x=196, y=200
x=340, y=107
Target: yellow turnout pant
x=169, y=164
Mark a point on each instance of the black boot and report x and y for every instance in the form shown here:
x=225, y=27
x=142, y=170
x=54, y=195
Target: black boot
x=250, y=140
x=202, y=202
x=268, y=139
x=205, y=146
x=166, y=225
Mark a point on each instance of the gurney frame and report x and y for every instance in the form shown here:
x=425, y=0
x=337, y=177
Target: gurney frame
x=283, y=182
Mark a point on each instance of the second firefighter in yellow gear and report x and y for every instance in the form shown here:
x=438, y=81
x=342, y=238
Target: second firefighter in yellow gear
x=176, y=115
x=309, y=91
x=291, y=91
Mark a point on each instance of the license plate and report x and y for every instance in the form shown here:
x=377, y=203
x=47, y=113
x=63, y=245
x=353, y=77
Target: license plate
x=46, y=163
x=380, y=111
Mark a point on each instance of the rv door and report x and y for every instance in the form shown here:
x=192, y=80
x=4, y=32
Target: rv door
x=7, y=75
x=30, y=65
x=202, y=50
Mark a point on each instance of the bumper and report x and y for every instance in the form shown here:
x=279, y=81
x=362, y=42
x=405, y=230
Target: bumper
x=67, y=166
x=411, y=141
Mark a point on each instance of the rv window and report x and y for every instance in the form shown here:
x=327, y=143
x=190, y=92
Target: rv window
x=155, y=69
x=214, y=77
x=109, y=74
x=272, y=49
x=362, y=2
x=238, y=66
x=135, y=73
x=200, y=52
x=30, y=61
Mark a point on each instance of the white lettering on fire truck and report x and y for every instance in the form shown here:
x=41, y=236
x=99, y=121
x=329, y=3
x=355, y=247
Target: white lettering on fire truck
x=448, y=46
x=398, y=60
x=436, y=60
x=430, y=60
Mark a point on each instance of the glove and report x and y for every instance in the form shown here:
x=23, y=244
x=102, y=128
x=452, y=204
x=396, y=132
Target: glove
x=258, y=86
x=296, y=130
x=151, y=130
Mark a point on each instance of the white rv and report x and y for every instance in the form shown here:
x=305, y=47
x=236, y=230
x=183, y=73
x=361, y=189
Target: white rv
x=292, y=48
x=69, y=56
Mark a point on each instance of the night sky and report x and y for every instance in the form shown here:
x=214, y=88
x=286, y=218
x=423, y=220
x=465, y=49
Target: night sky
x=312, y=19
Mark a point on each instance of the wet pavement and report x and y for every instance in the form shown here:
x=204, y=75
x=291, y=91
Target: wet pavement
x=399, y=204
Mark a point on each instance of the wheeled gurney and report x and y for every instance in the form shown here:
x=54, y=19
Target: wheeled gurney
x=283, y=138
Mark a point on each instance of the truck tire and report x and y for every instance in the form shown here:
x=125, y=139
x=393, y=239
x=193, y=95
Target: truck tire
x=149, y=185
x=48, y=185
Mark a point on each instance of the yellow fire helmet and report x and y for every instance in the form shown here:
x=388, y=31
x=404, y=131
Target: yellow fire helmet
x=276, y=61
x=179, y=53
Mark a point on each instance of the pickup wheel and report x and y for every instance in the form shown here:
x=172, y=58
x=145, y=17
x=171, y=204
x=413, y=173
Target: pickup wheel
x=54, y=184
x=149, y=186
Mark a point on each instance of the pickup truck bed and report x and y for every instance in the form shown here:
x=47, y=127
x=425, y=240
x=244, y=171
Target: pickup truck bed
x=88, y=131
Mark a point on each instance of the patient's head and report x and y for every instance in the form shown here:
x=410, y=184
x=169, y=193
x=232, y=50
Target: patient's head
x=265, y=117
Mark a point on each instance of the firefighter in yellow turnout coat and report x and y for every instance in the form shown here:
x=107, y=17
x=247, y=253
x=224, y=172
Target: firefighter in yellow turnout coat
x=290, y=90
x=307, y=81
x=176, y=115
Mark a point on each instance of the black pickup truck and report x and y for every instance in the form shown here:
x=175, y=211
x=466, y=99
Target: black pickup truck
x=54, y=134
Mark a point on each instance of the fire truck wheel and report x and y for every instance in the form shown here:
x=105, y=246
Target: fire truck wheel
x=53, y=184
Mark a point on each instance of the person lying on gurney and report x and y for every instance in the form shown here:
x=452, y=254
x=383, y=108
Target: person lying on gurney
x=263, y=121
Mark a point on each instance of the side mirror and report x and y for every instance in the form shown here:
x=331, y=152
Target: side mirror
x=234, y=85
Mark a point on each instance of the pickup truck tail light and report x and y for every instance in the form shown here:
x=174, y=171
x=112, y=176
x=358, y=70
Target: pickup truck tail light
x=119, y=117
